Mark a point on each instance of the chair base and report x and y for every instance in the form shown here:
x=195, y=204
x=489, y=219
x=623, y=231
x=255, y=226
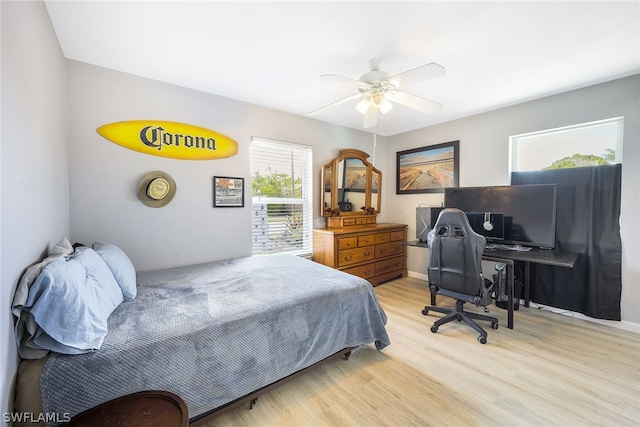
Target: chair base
x=459, y=314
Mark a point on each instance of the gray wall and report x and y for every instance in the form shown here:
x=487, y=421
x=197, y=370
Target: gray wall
x=484, y=160
x=104, y=176
x=35, y=169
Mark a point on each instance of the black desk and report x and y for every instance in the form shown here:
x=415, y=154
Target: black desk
x=536, y=256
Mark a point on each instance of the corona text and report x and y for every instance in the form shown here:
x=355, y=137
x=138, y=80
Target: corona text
x=157, y=137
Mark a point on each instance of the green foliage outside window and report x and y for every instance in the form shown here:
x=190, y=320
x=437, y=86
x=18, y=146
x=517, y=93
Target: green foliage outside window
x=274, y=184
x=584, y=160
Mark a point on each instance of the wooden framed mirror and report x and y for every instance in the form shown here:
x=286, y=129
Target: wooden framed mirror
x=351, y=190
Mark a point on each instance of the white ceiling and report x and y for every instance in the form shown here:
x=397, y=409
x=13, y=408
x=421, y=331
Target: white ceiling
x=272, y=53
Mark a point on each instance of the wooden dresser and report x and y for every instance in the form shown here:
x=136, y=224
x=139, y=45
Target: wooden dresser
x=374, y=252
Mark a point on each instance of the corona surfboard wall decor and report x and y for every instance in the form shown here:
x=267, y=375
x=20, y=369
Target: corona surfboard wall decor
x=170, y=139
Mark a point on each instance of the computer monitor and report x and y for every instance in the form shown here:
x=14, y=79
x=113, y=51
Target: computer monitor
x=529, y=210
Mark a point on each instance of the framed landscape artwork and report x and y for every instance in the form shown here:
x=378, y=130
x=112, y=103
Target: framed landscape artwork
x=428, y=169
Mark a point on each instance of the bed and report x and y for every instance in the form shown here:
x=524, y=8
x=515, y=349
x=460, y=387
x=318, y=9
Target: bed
x=212, y=333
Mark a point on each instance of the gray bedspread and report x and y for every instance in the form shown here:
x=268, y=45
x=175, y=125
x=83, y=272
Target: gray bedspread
x=214, y=332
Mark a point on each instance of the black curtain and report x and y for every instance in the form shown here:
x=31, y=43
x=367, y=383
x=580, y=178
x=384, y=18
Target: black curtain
x=587, y=222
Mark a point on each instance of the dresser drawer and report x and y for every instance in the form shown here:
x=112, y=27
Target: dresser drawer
x=389, y=265
x=389, y=249
x=382, y=237
x=347, y=243
x=396, y=236
x=367, y=240
x=353, y=256
x=364, y=271
x=348, y=221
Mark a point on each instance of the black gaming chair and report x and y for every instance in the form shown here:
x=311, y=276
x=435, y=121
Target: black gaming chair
x=455, y=270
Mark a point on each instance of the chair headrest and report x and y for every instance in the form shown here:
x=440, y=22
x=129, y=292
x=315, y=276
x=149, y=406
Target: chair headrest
x=452, y=216
x=454, y=223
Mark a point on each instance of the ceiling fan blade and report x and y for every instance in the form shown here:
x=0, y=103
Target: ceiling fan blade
x=370, y=117
x=417, y=102
x=424, y=72
x=335, y=104
x=343, y=79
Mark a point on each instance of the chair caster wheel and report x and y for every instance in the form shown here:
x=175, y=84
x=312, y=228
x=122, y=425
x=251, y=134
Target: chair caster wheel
x=425, y=311
x=494, y=326
x=483, y=340
x=434, y=329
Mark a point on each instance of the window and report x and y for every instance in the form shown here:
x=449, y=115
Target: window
x=587, y=144
x=282, y=197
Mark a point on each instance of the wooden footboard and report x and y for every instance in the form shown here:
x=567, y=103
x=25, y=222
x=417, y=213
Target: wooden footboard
x=252, y=397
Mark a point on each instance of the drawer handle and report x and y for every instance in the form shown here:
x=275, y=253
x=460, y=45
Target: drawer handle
x=384, y=237
x=348, y=243
x=367, y=253
x=383, y=269
x=383, y=251
x=348, y=257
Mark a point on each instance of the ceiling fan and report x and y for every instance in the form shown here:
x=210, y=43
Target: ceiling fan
x=378, y=88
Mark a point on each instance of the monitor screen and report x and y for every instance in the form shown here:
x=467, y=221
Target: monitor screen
x=529, y=211
x=488, y=224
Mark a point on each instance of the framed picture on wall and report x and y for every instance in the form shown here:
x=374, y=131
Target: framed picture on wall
x=428, y=169
x=228, y=192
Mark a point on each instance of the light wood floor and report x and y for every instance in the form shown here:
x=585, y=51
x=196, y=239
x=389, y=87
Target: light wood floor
x=550, y=370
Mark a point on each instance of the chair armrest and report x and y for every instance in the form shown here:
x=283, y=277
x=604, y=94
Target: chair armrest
x=500, y=285
x=500, y=266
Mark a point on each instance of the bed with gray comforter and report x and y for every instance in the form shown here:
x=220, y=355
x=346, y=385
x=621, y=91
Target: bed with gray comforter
x=214, y=332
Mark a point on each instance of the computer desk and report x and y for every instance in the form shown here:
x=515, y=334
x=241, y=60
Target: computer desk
x=535, y=255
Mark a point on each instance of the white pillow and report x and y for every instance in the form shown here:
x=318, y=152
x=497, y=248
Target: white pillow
x=121, y=267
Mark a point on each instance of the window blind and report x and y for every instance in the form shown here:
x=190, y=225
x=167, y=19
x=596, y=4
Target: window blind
x=282, y=197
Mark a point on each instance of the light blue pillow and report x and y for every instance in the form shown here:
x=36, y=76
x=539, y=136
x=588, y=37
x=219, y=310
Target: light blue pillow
x=71, y=301
x=121, y=267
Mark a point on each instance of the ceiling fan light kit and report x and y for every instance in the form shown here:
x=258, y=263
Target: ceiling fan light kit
x=363, y=106
x=379, y=88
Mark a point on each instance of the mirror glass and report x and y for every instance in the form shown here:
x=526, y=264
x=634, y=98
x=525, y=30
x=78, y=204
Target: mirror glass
x=376, y=194
x=326, y=187
x=352, y=183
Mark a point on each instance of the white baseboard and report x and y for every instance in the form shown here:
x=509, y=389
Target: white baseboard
x=624, y=324
x=420, y=276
